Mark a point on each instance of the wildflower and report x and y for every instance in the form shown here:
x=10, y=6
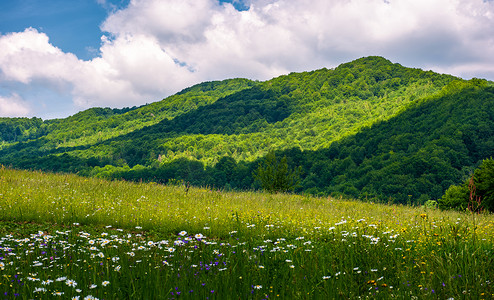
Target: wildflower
x=93, y=286
x=117, y=268
x=70, y=283
x=326, y=277
x=46, y=282
x=32, y=278
x=61, y=279
x=258, y=287
x=105, y=283
x=182, y=233
x=57, y=293
x=39, y=290
x=199, y=236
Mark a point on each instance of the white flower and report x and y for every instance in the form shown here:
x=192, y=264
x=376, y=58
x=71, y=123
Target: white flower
x=32, y=278
x=71, y=283
x=182, y=233
x=105, y=283
x=199, y=236
x=93, y=286
x=326, y=277
x=258, y=287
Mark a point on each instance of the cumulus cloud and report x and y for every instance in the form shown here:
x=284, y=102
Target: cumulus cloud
x=279, y=36
x=13, y=106
x=153, y=48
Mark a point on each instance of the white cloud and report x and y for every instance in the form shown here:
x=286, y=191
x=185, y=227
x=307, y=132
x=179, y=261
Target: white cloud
x=154, y=48
x=13, y=106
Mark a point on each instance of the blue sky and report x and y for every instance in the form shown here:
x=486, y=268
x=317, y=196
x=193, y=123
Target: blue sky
x=59, y=57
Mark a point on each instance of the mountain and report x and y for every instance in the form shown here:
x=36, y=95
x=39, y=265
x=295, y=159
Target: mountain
x=334, y=123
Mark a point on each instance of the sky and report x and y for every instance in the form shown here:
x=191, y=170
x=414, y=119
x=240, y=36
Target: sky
x=59, y=57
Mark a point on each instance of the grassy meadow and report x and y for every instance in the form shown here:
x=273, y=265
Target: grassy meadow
x=69, y=237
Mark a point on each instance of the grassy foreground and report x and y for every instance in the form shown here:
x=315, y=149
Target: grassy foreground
x=67, y=237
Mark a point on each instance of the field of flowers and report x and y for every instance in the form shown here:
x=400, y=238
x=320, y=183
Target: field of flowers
x=67, y=237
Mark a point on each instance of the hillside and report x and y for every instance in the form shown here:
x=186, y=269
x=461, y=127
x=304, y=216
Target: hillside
x=368, y=129
x=98, y=124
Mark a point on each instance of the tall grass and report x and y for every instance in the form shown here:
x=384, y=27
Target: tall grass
x=150, y=241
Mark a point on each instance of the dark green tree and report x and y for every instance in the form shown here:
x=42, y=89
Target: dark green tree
x=480, y=186
x=275, y=175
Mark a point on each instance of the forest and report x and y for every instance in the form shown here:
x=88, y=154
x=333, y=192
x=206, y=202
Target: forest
x=368, y=129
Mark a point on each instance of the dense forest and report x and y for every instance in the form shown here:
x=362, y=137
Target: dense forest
x=368, y=129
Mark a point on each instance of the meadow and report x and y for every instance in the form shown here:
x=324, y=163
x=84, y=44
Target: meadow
x=70, y=237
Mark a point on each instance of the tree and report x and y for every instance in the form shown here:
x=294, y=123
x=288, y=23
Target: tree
x=480, y=186
x=274, y=174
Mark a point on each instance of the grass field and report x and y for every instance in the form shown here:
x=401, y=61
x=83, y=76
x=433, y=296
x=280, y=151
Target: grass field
x=68, y=237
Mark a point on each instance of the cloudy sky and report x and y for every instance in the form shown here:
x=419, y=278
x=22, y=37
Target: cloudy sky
x=59, y=57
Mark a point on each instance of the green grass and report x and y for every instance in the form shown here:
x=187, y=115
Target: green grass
x=120, y=240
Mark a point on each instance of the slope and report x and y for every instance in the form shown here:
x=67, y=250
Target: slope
x=308, y=110
x=412, y=157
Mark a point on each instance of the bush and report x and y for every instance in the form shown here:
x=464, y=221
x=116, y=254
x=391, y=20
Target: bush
x=459, y=197
x=455, y=197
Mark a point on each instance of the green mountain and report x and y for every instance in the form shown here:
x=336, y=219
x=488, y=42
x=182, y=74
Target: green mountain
x=337, y=124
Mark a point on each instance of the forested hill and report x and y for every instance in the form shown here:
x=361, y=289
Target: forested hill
x=97, y=124
x=215, y=133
